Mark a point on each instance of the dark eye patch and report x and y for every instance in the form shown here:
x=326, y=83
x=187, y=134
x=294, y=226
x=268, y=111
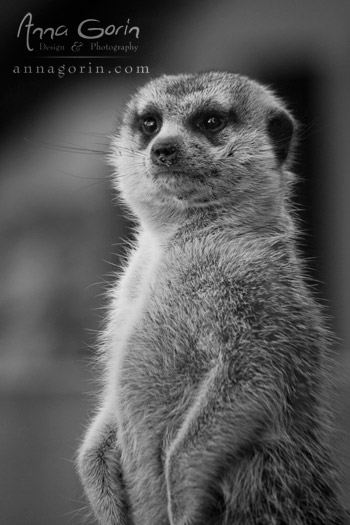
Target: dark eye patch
x=150, y=124
x=212, y=119
x=147, y=124
x=212, y=122
x=208, y=119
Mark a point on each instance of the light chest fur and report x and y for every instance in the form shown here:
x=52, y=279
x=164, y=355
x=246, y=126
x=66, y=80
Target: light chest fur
x=192, y=308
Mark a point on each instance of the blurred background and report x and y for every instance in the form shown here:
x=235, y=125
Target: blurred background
x=62, y=231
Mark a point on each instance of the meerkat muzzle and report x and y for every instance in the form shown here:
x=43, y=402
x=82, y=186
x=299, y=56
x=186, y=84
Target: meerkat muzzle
x=164, y=152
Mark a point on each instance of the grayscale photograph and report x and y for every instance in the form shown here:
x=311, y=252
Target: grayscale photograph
x=175, y=291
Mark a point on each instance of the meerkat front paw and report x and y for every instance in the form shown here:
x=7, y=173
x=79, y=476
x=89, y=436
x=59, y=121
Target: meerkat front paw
x=101, y=474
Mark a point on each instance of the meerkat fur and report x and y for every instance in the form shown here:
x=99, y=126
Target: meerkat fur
x=215, y=352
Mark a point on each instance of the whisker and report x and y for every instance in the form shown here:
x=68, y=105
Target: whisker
x=66, y=147
x=133, y=153
x=90, y=185
x=93, y=134
x=82, y=176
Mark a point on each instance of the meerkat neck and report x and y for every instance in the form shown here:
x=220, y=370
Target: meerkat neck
x=265, y=212
x=164, y=227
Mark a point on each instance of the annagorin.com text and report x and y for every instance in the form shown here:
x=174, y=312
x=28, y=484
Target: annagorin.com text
x=62, y=70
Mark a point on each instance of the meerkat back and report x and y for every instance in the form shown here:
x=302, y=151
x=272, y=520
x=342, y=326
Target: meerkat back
x=214, y=352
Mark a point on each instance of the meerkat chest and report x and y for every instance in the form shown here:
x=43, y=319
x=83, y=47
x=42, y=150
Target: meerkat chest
x=128, y=308
x=166, y=352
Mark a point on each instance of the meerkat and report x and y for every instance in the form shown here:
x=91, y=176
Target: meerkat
x=215, y=352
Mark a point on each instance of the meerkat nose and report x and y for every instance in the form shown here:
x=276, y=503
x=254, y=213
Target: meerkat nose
x=164, y=152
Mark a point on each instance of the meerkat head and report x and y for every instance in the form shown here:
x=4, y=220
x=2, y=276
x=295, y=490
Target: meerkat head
x=193, y=141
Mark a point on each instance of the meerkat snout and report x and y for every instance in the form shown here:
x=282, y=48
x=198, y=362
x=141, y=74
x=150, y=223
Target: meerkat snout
x=164, y=152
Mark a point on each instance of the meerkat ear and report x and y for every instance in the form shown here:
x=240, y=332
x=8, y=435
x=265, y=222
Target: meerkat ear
x=280, y=128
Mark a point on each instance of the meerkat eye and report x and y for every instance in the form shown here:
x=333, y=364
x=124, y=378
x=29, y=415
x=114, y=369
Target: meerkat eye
x=211, y=122
x=149, y=125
